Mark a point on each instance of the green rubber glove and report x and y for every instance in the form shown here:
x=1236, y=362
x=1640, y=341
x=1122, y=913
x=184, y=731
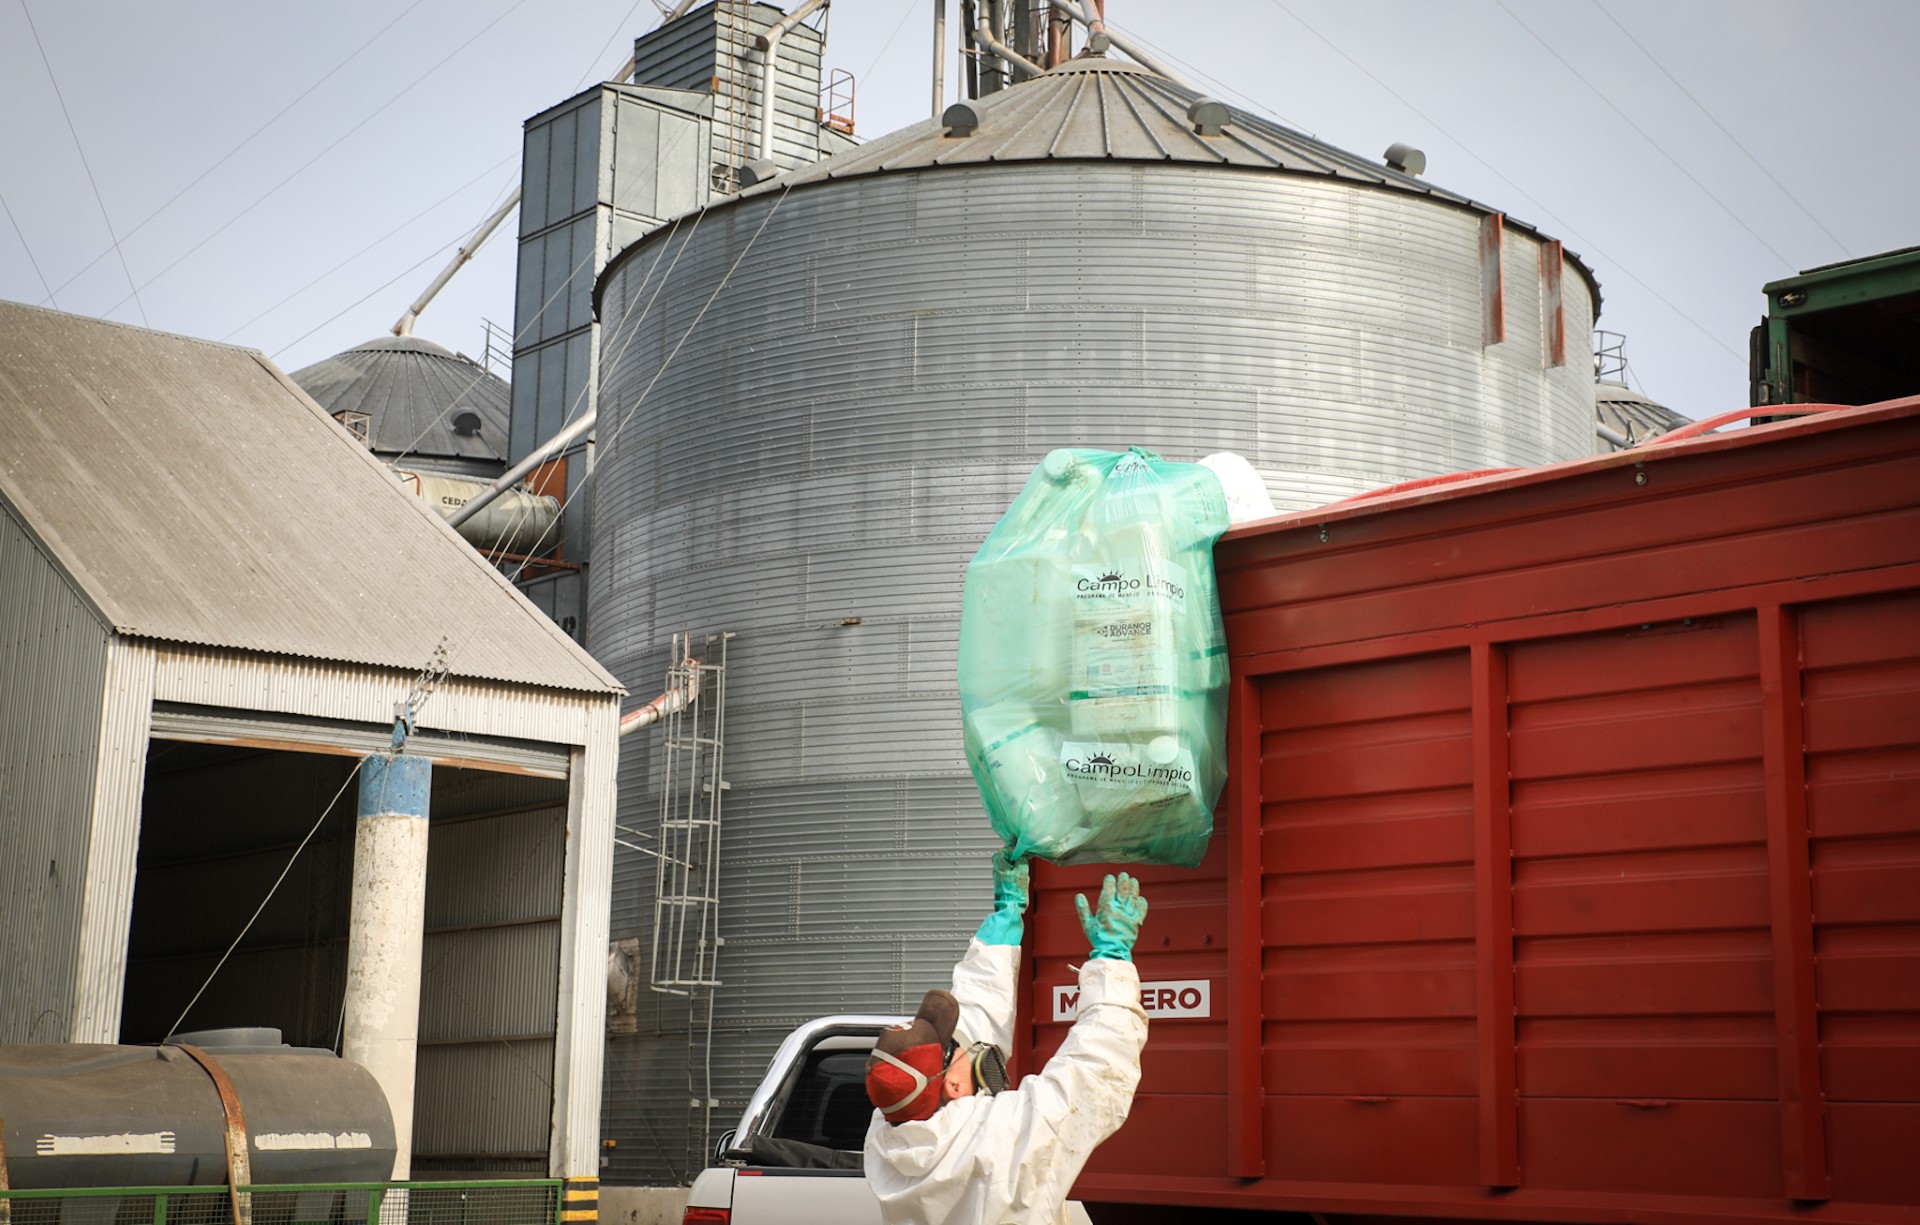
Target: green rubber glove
x=1004, y=925
x=1115, y=924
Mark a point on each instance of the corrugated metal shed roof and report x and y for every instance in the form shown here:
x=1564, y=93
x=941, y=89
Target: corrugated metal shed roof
x=1623, y=409
x=196, y=495
x=413, y=390
x=1093, y=108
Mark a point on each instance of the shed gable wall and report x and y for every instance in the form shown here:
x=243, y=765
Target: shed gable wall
x=54, y=656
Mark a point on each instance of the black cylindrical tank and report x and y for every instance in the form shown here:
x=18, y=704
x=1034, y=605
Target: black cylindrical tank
x=85, y=1115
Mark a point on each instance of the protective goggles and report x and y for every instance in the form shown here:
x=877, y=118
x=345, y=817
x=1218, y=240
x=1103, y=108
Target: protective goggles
x=988, y=1065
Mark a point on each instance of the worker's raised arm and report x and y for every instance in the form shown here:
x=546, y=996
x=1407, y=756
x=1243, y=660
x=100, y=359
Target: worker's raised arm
x=1087, y=1087
x=983, y=981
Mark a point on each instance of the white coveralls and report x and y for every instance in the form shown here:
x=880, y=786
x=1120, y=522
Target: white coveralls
x=1010, y=1158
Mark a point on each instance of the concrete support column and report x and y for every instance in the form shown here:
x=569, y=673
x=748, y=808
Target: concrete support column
x=382, y=1026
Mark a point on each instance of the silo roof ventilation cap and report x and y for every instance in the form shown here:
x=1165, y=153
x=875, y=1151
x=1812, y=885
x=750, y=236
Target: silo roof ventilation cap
x=1405, y=158
x=1208, y=117
x=466, y=423
x=759, y=170
x=960, y=119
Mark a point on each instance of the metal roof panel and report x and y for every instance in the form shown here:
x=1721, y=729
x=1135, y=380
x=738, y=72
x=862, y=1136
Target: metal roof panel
x=1098, y=109
x=412, y=389
x=199, y=496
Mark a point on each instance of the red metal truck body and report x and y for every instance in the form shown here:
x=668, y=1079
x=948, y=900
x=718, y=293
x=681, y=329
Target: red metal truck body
x=1570, y=869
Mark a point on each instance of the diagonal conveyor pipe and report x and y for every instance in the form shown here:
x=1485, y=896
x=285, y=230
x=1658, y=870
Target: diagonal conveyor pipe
x=404, y=325
x=670, y=702
x=1008, y=56
x=514, y=475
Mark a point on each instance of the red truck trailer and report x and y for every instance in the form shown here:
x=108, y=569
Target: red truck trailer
x=1570, y=869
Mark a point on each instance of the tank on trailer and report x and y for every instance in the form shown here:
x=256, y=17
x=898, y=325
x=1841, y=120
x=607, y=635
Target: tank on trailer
x=95, y=1115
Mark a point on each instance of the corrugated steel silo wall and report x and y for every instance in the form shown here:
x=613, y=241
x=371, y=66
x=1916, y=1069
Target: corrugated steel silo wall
x=55, y=652
x=887, y=360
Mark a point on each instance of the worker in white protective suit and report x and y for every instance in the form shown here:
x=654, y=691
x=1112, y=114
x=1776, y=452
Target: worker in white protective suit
x=951, y=1142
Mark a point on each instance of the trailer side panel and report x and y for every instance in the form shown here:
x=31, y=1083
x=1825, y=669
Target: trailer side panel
x=1574, y=840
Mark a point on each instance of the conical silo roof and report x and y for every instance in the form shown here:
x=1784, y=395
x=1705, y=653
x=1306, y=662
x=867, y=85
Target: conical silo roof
x=1098, y=109
x=420, y=400
x=1626, y=411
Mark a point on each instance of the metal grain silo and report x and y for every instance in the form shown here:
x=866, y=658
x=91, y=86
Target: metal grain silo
x=415, y=403
x=817, y=396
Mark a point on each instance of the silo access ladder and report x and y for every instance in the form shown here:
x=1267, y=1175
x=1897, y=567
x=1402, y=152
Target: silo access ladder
x=686, y=902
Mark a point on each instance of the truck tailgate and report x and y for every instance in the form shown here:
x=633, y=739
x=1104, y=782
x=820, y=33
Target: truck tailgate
x=804, y=1197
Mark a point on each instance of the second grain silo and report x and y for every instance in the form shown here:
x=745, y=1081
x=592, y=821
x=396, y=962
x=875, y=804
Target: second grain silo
x=817, y=395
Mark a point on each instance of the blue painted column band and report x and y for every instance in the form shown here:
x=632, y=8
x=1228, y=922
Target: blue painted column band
x=397, y=786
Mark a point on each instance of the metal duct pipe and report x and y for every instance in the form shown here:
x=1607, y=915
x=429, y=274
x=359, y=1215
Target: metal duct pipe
x=1007, y=55
x=1609, y=434
x=404, y=325
x=1144, y=58
x=670, y=702
x=769, y=44
x=1059, y=38
x=514, y=475
x=939, y=56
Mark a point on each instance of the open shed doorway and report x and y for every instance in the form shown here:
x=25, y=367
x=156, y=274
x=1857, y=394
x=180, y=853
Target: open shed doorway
x=225, y=828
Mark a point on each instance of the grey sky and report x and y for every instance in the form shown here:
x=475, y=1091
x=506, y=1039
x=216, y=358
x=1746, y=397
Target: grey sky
x=401, y=129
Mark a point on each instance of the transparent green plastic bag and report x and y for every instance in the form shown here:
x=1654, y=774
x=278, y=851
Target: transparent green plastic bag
x=1093, y=666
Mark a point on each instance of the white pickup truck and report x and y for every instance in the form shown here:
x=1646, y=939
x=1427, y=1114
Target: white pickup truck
x=794, y=1158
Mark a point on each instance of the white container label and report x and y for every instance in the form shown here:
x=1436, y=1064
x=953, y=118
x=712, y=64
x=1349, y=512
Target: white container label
x=310, y=1141
x=104, y=1146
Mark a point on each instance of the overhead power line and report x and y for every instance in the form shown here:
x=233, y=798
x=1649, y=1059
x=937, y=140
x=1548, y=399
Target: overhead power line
x=370, y=246
x=1771, y=177
x=1647, y=136
x=1544, y=211
x=611, y=39
x=387, y=284
x=337, y=142
x=88, y=166
x=28, y=248
x=228, y=155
